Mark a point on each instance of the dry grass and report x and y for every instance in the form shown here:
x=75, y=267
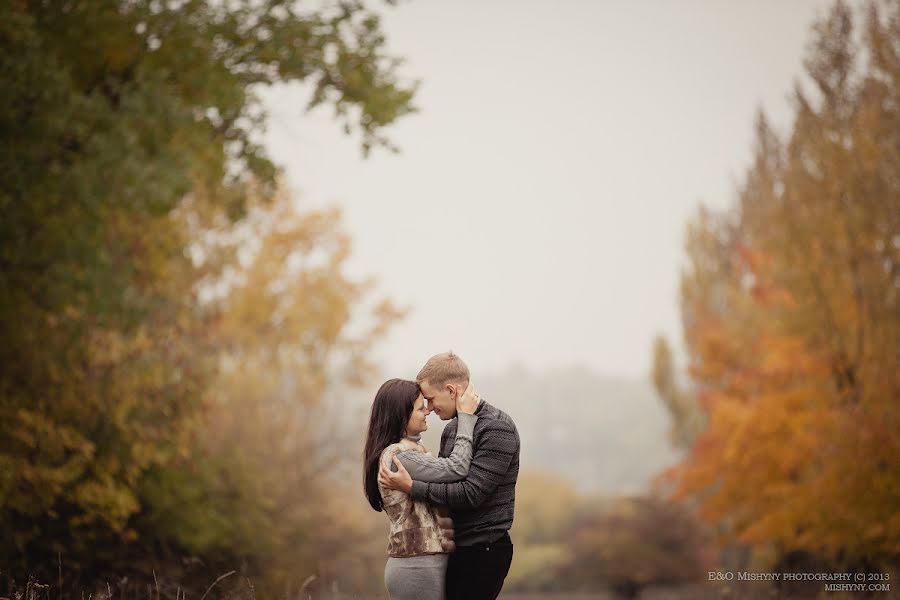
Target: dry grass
x=241, y=588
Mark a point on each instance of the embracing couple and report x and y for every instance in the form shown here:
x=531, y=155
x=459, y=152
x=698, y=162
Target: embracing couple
x=449, y=515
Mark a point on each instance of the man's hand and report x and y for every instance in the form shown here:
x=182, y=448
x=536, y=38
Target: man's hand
x=395, y=481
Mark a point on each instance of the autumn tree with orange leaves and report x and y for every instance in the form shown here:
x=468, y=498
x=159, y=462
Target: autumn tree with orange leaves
x=791, y=318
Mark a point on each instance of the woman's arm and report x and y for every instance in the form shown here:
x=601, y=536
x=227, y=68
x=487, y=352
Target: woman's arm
x=424, y=467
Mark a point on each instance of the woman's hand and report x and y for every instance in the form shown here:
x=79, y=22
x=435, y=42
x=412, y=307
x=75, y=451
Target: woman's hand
x=468, y=401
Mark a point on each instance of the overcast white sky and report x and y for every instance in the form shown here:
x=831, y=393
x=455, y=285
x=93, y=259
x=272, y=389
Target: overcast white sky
x=536, y=213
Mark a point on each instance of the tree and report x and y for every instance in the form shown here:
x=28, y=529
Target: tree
x=687, y=419
x=114, y=115
x=635, y=542
x=546, y=505
x=790, y=312
x=266, y=481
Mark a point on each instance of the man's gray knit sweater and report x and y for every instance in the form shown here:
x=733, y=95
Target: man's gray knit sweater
x=481, y=505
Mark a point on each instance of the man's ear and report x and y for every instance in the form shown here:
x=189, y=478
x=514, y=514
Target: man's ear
x=453, y=390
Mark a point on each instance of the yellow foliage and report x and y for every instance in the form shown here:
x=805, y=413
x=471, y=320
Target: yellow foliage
x=791, y=319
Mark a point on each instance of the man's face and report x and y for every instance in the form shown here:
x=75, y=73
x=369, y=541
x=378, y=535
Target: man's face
x=441, y=400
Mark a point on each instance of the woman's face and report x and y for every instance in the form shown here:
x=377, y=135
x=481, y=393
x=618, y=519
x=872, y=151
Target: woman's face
x=417, y=423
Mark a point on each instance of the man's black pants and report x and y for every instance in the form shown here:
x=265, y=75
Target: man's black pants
x=477, y=572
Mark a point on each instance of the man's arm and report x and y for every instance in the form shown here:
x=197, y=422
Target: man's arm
x=497, y=446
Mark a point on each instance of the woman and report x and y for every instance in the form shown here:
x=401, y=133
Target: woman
x=419, y=539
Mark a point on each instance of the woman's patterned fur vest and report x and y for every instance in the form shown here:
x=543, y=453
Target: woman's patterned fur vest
x=416, y=527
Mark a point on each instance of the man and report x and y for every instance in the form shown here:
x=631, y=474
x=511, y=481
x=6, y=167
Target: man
x=482, y=504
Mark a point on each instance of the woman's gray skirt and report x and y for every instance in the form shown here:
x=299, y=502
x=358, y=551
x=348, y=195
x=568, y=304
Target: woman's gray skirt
x=416, y=577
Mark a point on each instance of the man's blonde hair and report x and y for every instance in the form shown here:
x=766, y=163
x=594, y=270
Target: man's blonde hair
x=444, y=368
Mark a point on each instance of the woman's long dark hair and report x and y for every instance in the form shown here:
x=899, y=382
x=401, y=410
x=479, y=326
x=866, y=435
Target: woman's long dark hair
x=391, y=409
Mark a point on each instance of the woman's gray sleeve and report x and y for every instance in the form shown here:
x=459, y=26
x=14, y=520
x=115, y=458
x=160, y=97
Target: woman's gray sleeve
x=424, y=467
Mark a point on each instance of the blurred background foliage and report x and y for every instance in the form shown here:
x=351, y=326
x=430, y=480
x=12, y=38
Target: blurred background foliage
x=169, y=318
x=180, y=341
x=792, y=321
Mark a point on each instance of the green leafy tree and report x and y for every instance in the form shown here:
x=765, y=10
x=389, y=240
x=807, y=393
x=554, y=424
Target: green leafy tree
x=113, y=115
